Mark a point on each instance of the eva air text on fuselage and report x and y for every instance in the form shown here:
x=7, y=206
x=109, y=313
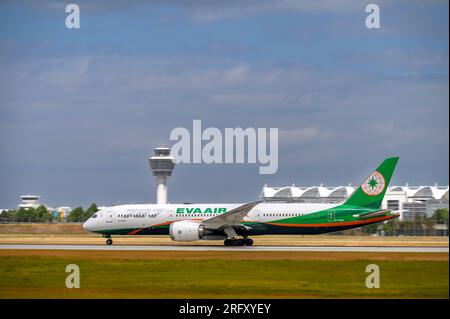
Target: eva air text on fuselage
x=197, y=210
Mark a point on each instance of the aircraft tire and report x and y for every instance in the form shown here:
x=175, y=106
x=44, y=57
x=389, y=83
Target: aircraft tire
x=238, y=242
x=248, y=242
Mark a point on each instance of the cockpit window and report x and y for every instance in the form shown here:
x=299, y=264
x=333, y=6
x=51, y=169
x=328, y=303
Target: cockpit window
x=94, y=216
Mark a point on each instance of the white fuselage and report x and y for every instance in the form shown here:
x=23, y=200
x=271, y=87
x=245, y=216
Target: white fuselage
x=147, y=215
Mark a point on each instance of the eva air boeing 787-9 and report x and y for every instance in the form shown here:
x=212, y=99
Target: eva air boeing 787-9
x=234, y=223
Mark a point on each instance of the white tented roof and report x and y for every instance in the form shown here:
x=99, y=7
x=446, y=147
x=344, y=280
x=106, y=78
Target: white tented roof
x=342, y=191
x=433, y=192
x=408, y=191
x=316, y=191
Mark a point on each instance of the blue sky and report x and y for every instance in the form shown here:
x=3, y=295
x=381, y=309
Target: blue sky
x=81, y=110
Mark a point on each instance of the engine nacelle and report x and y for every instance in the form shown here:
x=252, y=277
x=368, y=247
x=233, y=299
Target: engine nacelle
x=185, y=230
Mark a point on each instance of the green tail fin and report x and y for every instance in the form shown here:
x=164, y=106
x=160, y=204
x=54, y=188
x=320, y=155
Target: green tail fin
x=372, y=190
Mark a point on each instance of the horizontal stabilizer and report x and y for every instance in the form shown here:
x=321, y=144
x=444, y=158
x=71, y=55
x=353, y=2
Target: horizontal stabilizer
x=378, y=213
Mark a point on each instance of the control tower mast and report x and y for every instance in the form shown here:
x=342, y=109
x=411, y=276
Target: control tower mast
x=162, y=165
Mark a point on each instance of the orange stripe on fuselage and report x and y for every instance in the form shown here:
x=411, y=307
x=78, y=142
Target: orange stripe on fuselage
x=134, y=232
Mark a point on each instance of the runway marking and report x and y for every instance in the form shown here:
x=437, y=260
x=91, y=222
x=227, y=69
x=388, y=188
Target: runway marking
x=222, y=248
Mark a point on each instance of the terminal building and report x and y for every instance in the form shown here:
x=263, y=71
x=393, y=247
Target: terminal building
x=410, y=201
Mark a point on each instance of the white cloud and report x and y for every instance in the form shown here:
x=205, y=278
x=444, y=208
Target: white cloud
x=299, y=135
x=89, y=109
x=236, y=74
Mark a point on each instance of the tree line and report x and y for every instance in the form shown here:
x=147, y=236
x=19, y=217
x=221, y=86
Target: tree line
x=42, y=215
x=420, y=226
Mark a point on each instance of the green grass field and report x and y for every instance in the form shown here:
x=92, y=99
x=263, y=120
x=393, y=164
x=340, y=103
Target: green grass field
x=44, y=277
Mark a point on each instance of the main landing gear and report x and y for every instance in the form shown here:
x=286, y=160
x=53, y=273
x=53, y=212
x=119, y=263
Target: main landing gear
x=238, y=242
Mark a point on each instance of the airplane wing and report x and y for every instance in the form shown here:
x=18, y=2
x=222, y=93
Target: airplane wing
x=230, y=218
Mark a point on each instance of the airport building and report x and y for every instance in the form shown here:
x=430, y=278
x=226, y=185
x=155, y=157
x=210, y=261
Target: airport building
x=162, y=166
x=32, y=201
x=29, y=201
x=409, y=201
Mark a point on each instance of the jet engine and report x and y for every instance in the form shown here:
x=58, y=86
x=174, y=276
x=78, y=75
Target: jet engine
x=185, y=230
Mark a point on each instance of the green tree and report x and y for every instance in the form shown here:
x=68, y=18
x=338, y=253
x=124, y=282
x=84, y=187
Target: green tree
x=90, y=211
x=26, y=215
x=370, y=229
x=441, y=216
x=388, y=228
x=9, y=216
x=42, y=215
x=76, y=215
x=429, y=226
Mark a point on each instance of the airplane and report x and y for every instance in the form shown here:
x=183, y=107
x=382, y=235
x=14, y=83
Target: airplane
x=234, y=223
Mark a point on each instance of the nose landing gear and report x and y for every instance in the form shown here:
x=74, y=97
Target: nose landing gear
x=109, y=241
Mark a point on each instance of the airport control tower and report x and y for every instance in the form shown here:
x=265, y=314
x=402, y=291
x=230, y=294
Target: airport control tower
x=162, y=165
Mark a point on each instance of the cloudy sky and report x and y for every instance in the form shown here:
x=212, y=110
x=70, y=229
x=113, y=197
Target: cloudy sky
x=82, y=109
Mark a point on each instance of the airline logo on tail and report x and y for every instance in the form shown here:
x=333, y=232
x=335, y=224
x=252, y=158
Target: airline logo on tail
x=371, y=192
x=374, y=184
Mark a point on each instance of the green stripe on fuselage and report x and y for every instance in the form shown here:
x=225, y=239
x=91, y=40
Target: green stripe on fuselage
x=341, y=213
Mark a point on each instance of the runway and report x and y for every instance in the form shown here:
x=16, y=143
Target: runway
x=402, y=249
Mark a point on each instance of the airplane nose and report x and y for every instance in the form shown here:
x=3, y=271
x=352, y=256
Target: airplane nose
x=86, y=225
